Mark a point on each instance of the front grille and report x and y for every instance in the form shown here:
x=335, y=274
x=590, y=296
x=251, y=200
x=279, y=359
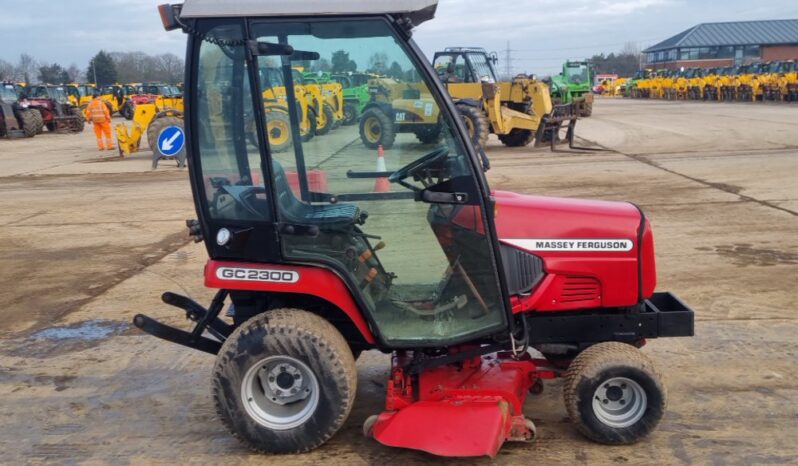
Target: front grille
x=522, y=270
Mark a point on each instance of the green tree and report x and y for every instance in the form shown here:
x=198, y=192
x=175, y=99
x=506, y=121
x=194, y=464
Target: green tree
x=102, y=67
x=53, y=74
x=396, y=71
x=341, y=63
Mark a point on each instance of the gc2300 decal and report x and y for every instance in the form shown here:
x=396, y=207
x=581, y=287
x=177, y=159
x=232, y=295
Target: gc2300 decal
x=571, y=244
x=257, y=275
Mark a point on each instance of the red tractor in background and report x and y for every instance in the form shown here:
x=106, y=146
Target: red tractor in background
x=478, y=295
x=58, y=115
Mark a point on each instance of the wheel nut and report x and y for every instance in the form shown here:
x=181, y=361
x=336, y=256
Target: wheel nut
x=605, y=401
x=296, y=376
x=623, y=402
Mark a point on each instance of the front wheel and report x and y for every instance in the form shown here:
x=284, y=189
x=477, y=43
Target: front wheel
x=376, y=129
x=284, y=381
x=476, y=123
x=613, y=394
x=350, y=113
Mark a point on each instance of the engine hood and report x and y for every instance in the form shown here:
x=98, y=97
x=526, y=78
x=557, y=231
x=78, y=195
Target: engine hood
x=555, y=220
x=594, y=253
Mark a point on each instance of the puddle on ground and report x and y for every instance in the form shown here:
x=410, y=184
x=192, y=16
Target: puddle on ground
x=87, y=330
x=65, y=338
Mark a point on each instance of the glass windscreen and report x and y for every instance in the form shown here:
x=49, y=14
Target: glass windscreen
x=481, y=67
x=388, y=197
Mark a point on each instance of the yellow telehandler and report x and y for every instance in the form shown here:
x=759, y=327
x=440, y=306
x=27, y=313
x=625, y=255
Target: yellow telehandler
x=517, y=111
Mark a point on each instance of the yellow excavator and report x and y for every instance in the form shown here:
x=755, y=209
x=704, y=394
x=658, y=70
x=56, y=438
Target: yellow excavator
x=517, y=111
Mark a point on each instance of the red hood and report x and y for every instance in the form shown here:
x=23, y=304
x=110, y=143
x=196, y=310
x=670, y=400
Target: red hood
x=522, y=216
x=594, y=253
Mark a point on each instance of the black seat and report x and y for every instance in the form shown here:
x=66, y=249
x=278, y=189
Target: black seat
x=295, y=211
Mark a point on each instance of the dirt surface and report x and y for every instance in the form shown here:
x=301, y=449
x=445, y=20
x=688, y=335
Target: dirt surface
x=86, y=244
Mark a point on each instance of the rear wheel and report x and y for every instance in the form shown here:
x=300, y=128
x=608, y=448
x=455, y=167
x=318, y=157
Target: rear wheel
x=587, y=109
x=613, y=394
x=329, y=119
x=278, y=128
x=517, y=137
x=127, y=110
x=156, y=126
x=78, y=123
x=376, y=129
x=28, y=123
x=476, y=123
x=38, y=120
x=429, y=134
x=284, y=381
x=310, y=130
x=350, y=113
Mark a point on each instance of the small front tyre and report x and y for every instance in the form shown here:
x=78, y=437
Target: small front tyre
x=284, y=381
x=613, y=394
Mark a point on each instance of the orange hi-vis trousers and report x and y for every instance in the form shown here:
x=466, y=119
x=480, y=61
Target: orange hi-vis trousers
x=99, y=130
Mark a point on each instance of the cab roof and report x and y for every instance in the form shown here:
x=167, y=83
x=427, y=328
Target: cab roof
x=417, y=11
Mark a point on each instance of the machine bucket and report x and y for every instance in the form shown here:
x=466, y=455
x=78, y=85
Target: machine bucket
x=447, y=428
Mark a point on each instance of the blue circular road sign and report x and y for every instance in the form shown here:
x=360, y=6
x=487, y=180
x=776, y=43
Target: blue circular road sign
x=171, y=141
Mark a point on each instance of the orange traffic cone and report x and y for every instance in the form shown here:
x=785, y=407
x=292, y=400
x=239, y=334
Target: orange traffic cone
x=381, y=184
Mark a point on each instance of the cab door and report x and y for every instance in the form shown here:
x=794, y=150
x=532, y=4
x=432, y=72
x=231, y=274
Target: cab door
x=404, y=222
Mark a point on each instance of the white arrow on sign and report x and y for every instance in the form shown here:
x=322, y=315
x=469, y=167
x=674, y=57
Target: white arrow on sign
x=169, y=143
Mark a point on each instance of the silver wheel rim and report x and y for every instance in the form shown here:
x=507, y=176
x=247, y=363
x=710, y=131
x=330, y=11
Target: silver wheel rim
x=619, y=402
x=280, y=392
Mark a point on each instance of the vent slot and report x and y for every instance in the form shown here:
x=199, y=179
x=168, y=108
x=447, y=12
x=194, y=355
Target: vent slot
x=580, y=289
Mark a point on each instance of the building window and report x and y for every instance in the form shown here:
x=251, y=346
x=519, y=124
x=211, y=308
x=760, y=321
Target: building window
x=751, y=51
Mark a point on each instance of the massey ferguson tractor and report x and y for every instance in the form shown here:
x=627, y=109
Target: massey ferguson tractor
x=477, y=295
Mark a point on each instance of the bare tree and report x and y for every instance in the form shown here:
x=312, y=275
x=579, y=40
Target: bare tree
x=26, y=69
x=75, y=74
x=6, y=71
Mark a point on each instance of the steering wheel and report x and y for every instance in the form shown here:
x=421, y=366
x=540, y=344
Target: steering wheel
x=413, y=167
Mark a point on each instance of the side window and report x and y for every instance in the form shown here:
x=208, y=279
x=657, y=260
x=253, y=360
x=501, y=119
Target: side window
x=226, y=131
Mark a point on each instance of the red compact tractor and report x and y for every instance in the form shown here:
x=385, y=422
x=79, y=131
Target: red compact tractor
x=477, y=295
x=58, y=114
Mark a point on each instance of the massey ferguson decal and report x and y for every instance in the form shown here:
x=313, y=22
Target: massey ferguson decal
x=580, y=245
x=257, y=275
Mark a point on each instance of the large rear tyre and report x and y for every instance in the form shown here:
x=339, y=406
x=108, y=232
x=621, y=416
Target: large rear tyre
x=284, y=381
x=156, y=126
x=613, y=394
x=27, y=119
x=376, y=129
x=476, y=123
x=38, y=120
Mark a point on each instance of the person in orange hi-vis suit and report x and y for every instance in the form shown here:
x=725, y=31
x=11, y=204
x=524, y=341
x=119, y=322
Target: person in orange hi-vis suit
x=97, y=113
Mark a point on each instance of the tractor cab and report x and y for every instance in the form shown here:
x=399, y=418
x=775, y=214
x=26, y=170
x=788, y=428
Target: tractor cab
x=416, y=254
x=323, y=248
x=465, y=65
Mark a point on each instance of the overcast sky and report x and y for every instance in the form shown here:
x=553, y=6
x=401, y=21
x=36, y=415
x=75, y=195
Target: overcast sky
x=542, y=33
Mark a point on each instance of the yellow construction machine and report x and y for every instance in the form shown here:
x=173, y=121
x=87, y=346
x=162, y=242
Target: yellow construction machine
x=517, y=111
x=149, y=119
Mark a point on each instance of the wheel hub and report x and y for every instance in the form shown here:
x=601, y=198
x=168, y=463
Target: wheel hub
x=280, y=392
x=619, y=402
